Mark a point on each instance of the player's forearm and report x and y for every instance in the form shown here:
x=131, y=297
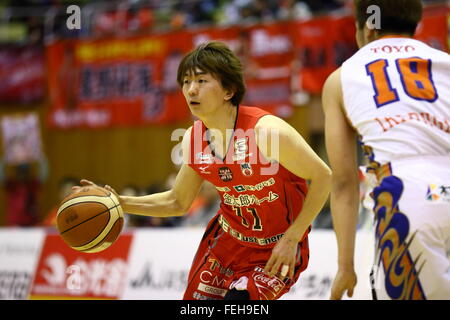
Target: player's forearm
x=318, y=192
x=344, y=210
x=161, y=204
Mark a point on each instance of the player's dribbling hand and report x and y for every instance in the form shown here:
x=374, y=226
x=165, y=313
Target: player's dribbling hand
x=345, y=280
x=85, y=183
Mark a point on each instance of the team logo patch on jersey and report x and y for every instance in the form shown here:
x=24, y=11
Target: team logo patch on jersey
x=240, y=149
x=225, y=174
x=246, y=169
x=204, y=158
x=438, y=193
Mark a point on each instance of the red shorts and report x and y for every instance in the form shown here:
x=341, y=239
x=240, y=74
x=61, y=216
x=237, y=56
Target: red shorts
x=223, y=263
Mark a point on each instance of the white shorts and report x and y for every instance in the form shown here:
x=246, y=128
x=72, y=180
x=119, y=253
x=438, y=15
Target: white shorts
x=412, y=230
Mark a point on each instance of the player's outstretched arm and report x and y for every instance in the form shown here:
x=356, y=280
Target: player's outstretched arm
x=174, y=202
x=340, y=140
x=287, y=147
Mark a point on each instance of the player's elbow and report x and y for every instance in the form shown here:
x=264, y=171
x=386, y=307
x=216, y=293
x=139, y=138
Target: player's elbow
x=173, y=207
x=324, y=175
x=180, y=207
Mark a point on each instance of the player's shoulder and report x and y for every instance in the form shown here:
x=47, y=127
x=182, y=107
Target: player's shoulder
x=269, y=123
x=334, y=78
x=251, y=112
x=333, y=83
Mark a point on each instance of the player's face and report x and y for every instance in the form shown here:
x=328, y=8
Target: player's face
x=204, y=93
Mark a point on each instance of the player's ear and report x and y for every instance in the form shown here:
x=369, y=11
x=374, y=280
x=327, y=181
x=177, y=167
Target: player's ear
x=228, y=95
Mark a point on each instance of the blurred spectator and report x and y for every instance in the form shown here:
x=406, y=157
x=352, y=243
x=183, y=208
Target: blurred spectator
x=22, y=189
x=64, y=189
x=127, y=21
x=130, y=17
x=204, y=207
x=202, y=11
x=317, y=6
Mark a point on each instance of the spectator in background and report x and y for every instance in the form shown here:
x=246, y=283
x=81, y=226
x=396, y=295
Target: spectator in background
x=22, y=189
x=64, y=189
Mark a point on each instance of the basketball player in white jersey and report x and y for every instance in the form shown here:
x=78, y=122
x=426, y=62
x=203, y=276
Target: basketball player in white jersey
x=394, y=94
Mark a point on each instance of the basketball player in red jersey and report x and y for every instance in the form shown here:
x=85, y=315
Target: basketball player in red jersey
x=257, y=244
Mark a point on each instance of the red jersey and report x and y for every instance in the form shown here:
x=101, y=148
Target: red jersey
x=259, y=199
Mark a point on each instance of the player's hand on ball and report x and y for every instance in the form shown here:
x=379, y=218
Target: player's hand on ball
x=83, y=183
x=88, y=183
x=110, y=189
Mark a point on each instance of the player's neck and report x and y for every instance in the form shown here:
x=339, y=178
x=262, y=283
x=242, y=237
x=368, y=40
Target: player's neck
x=222, y=119
x=389, y=36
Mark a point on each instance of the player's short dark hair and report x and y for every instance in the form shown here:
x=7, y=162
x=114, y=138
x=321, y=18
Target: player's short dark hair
x=397, y=16
x=215, y=58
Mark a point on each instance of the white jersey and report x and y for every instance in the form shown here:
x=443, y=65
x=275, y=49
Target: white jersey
x=396, y=94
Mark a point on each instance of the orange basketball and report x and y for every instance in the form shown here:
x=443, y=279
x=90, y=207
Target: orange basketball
x=90, y=219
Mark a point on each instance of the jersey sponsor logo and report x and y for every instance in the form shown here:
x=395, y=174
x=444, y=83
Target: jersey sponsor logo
x=212, y=290
x=223, y=189
x=239, y=236
x=203, y=170
x=256, y=187
x=208, y=278
x=245, y=200
x=225, y=174
x=393, y=49
x=246, y=169
x=216, y=266
x=268, y=288
x=198, y=296
x=204, y=158
x=387, y=123
x=274, y=283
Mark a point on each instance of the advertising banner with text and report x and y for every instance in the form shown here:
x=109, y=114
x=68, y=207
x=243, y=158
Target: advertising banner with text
x=160, y=260
x=19, y=254
x=64, y=273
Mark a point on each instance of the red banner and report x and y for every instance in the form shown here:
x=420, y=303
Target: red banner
x=269, y=68
x=63, y=272
x=132, y=81
x=118, y=82
x=22, y=75
x=321, y=46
